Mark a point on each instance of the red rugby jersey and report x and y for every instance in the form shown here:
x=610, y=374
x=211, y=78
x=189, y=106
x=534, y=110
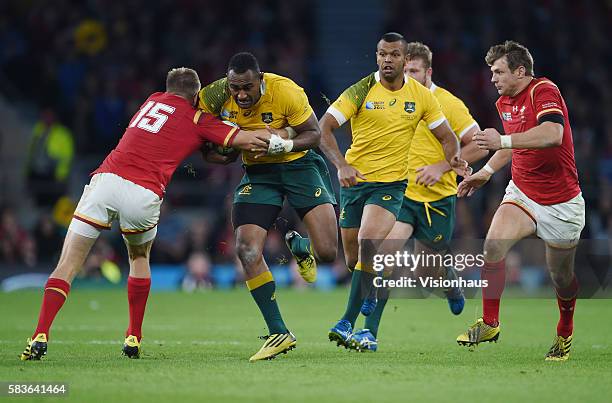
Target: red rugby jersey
x=165, y=130
x=547, y=176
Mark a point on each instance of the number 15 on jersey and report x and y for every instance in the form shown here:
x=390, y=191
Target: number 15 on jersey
x=152, y=116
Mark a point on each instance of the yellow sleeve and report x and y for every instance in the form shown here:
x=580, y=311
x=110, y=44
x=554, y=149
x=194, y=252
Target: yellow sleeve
x=342, y=109
x=432, y=111
x=458, y=115
x=294, y=104
x=349, y=102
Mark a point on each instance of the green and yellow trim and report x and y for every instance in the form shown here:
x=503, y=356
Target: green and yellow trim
x=259, y=280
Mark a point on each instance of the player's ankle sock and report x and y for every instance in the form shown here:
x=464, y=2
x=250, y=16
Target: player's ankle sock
x=300, y=246
x=372, y=321
x=56, y=292
x=360, y=285
x=138, y=292
x=495, y=274
x=262, y=289
x=566, y=300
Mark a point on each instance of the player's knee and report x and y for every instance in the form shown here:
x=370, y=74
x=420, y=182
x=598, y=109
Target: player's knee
x=494, y=250
x=326, y=254
x=248, y=254
x=561, y=279
x=139, y=251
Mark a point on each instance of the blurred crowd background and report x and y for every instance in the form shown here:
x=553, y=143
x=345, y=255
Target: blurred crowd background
x=72, y=73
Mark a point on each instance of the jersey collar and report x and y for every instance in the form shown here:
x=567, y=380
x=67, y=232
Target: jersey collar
x=263, y=86
x=433, y=87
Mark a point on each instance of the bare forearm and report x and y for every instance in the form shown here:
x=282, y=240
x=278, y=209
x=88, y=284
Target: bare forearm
x=450, y=146
x=306, y=140
x=330, y=148
x=446, y=137
x=545, y=135
x=329, y=145
x=500, y=159
x=471, y=153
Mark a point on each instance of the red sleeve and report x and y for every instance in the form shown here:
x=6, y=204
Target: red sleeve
x=215, y=130
x=546, y=99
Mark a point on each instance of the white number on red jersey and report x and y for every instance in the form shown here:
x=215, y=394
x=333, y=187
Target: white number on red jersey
x=151, y=117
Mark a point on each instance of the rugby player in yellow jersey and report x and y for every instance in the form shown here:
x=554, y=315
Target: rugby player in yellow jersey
x=385, y=110
x=253, y=100
x=428, y=208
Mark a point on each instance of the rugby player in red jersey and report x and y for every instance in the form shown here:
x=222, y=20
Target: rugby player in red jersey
x=543, y=197
x=129, y=187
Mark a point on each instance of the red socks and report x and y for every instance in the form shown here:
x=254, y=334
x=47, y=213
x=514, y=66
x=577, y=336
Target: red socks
x=495, y=274
x=566, y=299
x=56, y=292
x=138, y=292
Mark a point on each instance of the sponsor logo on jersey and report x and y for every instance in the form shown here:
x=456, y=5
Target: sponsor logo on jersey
x=387, y=197
x=266, y=117
x=225, y=114
x=318, y=192
x=375, y=105
x=392, y=102
x=247, y=113
x=438, y=238
x=507, y=116
x=409, y=107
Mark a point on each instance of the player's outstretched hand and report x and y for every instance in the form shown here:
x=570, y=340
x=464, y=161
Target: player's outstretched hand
x=488, y=139
x=472, y=183
x=460, y=166
x=429, y=175
x=347, y=175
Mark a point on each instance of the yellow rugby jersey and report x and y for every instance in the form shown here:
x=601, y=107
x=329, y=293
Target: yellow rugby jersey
x=383, y=123
x=427, y=150
x=283, y=103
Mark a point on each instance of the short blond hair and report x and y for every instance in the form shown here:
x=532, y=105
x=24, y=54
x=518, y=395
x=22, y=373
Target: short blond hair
x=183, y=81
x=418, y=50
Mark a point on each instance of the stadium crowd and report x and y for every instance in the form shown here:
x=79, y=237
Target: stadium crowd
x=93, y=63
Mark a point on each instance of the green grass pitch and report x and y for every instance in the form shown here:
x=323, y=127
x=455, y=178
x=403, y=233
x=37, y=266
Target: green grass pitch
x=196, y=347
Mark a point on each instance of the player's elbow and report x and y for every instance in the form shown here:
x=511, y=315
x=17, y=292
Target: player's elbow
x=316, y=137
